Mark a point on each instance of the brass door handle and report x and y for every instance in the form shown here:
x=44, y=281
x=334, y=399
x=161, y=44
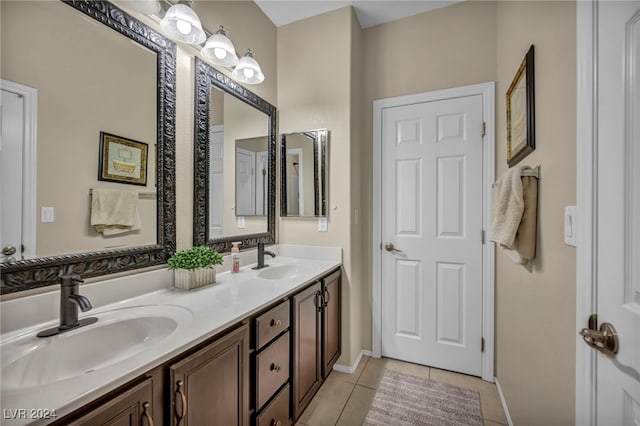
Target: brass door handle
x=183, y=400
x=605, y=339
x=391, y=248
x=9, y=250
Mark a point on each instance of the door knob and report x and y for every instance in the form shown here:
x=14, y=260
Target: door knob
x=9, y=250
x=391, y=248
x=605, y=339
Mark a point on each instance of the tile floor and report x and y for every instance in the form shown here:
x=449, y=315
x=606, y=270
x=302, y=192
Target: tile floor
x=344, y=399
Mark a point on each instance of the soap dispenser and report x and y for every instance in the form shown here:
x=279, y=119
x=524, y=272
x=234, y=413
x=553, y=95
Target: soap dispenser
x=235, y=257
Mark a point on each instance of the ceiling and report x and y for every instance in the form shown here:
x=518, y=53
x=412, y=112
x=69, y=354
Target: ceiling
x=369, y=13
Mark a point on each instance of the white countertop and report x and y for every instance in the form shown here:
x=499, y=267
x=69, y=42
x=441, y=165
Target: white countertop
x=210, y=310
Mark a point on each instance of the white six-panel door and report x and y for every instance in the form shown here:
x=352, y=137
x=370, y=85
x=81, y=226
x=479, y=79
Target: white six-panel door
x=618, y=207
x=432, y=204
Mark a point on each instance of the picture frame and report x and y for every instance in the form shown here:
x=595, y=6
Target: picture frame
x=122, y=160
x=521, y=112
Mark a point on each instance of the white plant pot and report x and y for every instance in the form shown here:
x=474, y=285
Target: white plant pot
x=188, y=280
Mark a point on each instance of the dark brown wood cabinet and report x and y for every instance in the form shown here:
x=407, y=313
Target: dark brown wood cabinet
x=211, y=386
x=307, y=368
x=331, y=322
x=316, y=338
x=133, y=407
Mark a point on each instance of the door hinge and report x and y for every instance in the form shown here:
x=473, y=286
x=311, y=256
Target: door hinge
x=484, y=128
x=482, y=344
x=482, y=237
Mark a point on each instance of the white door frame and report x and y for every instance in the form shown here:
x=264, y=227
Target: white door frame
x=487, y=90
x=30, y=163
x=586, y=212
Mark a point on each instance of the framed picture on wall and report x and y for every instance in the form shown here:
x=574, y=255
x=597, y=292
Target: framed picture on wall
x=521, y=112
x=122, y=160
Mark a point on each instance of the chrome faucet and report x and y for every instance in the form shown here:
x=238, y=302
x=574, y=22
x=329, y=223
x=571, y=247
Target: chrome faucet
x=70, y=302
x=261, y=253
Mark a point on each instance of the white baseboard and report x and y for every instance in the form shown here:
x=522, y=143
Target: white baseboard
x=351, y=369
x=504, y=403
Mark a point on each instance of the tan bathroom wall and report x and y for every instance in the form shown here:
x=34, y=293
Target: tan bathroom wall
x=77, y=99
x=448, y=47
x=314, y=91
x=535, y=305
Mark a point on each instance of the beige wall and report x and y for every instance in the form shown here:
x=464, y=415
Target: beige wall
x=314, y=91
x=414, y=55
x=77, y=99
x=535, y=309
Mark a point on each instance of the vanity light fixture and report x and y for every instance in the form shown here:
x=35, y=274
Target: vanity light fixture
x=248, y=71
x=181, y=23
x=220, y=50
x=147, y=7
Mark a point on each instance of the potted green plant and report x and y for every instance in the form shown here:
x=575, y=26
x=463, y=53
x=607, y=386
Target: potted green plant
x=194, y=267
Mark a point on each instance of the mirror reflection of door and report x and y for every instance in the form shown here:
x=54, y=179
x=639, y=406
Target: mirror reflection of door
x=295, y=182
x=216, y=155
x=245, y=182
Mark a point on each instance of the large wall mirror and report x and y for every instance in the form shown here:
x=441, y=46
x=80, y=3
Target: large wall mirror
x=78, y=72
x=235, y=157
x=303, y=160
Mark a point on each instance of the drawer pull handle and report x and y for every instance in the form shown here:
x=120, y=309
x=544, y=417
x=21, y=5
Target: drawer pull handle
x=183, y=400
x=275, y=422
x=145, y=413
x=275, y=323
x=274, y=366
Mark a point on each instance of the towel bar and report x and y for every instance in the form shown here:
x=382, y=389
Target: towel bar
x=535, y=172
x=141, y=195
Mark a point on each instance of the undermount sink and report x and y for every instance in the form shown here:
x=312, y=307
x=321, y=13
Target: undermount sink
x=278, y=272
x=30, y=361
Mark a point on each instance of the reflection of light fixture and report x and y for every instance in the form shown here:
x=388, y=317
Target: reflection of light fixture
x=147, y=7
x=248, y=71
x=182, y=24
x=219, y=49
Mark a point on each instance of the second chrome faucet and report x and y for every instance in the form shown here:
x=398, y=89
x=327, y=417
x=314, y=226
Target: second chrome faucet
x=261, y=252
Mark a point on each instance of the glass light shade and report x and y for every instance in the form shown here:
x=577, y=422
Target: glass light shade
x=220, y=50
x=248, y=71
x=182, y=24
x=147, y=7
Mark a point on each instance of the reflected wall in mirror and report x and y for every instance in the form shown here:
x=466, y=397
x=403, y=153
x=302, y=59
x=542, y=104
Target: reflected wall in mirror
x=235, y=151
x=108, y=74
x=303, y=160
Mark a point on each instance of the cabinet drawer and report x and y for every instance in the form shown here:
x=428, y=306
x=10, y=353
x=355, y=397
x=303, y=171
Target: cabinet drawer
x=277, y=412
x=272, y=323
x=272, y=369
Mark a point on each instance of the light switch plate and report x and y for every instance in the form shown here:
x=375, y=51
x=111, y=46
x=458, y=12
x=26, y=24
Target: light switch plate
x=47, y=215
x=322, y=224
x=241, y=222
x=570, y=225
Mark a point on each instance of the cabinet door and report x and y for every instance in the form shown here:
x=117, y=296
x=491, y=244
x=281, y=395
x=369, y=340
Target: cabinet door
x=211, y=386
x=306, y=347
x=331, y=325
x=133, y=407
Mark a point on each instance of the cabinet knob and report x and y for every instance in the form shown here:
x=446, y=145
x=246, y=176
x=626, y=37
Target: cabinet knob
x=276, y=323
x=275, y=422
x=274, y=366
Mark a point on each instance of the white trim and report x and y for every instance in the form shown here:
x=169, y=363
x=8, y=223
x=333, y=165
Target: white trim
x=504, y=402
x=586, y=196
x=487, y=90
x=30, y=159
x=351, y=369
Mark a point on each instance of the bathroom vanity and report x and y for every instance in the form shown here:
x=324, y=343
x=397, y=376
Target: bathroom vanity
x=252, y=349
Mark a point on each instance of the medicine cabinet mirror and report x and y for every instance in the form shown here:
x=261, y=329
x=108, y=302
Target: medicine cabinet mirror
x=303, y=161
x=235, y=157
x=107, y=72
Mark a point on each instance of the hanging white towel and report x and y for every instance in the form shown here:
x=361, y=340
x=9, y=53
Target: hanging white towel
x=114, y=211
x=524, y=246
x=508, y=206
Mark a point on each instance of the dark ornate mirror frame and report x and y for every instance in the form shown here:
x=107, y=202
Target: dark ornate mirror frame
x=32, y=273
x=206, y=77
